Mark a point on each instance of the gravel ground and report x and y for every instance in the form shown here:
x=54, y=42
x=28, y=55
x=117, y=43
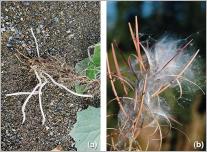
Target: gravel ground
x=63, y=29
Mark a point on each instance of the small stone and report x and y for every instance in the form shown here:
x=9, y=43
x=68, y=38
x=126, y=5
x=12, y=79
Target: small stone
x=51, y=103
x=41, y=26
x=47, y=35
x=47, y=128
x=21, y=19
x=3, y=29
x=13, y=130
x=12, y=29
x=71, y=36
x=68, y=31
x=25, y=3
x=51, y=133
x=61, y=13
x=73, y=144
x=38, y=30
x=8, y=45
x=56, y=19
x=24, y=45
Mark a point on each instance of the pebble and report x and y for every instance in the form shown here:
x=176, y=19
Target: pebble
x=73, y=144
x=68, y=31
x=71, y=36
x=56, y=19
x=8, y=45
x=3, y=29
x=24, y=45
x=12, y=29
x=61, y=13
x=47, y=128
x=25, y=3
x=51, y=103
x=38, y=30
x=41, y=26
x=51, y=133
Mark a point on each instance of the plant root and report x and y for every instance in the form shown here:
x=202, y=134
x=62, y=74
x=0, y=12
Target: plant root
x=40, y=67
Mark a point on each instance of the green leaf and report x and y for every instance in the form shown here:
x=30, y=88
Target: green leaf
x=92, y=71
x=91, y=74
x=86, y=130
x=81, y=66
x=96, y=55
x=80, y=88
x=90, y=68
x=94, y=65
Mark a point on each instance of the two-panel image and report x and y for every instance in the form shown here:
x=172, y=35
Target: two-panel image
x=54, y=62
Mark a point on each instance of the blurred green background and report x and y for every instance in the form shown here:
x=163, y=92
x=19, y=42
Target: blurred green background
x=181, y=20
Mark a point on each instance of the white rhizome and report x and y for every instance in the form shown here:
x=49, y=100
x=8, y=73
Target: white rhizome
x=43, y=78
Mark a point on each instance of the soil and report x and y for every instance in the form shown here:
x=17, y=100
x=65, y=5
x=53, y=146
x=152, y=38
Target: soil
x=63, y=29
